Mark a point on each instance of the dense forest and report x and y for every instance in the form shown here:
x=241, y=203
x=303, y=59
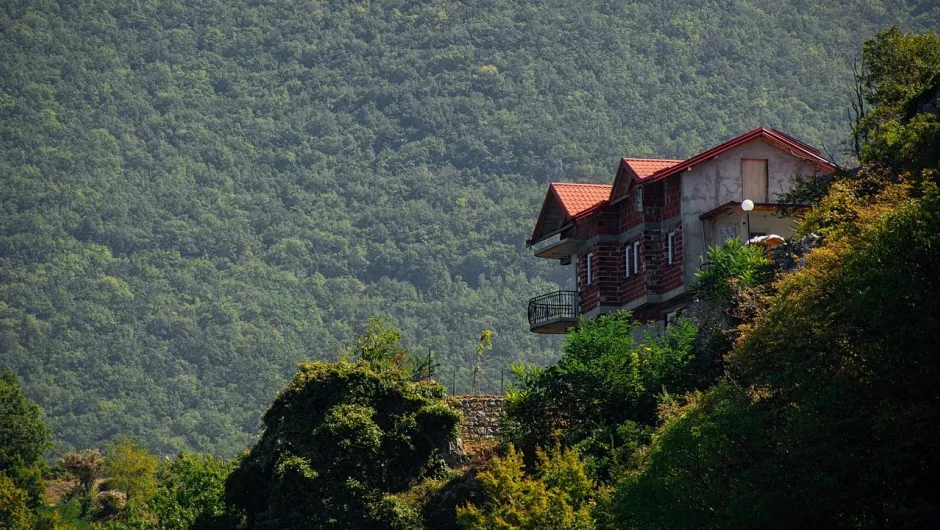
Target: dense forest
x=798, y=389
x=196, y=196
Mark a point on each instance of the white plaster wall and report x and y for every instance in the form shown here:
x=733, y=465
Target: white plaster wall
x=718, y=181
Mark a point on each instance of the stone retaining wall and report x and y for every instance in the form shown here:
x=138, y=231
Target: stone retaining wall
x=481, y=416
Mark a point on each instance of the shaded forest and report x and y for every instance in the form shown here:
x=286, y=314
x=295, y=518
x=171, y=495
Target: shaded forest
x=196, y=196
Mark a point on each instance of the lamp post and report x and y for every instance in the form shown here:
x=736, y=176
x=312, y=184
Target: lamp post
x=747, y=206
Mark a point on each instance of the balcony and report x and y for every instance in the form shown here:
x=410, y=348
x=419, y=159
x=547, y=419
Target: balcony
x=556, y=247
x=553, y=312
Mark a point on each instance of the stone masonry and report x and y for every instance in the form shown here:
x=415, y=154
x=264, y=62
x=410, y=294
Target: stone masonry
x=481, y=416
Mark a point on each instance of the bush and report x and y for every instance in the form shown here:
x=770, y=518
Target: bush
x=15, y=510
x=340, y=441
x=603, y=393
x=733, y=272
x=560, y=495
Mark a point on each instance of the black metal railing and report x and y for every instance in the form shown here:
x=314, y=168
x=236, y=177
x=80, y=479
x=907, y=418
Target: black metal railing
x=553, y=307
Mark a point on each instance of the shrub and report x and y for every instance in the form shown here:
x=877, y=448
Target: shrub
x=560, y=495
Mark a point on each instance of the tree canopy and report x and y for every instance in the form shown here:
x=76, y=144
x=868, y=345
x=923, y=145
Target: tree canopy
x=338, y=444
x=195, y=196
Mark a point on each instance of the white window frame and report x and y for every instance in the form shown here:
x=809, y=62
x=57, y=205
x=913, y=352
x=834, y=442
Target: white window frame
x=626, y=261
x=636, y=257
x=638, y=198
x=669, y=318
x=589, y=268
x=671, y=254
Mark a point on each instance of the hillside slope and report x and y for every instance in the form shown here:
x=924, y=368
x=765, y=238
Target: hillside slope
x=196, y=195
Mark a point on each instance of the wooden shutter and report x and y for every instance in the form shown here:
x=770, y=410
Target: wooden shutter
x=754, y=179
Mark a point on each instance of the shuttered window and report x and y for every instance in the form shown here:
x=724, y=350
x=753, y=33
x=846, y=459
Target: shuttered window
x=754, y=179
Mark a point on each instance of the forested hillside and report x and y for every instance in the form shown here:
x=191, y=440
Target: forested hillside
x=195, y=196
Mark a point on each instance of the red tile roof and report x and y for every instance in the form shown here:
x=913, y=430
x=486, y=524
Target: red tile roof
x=644, y=167
x=580, y=198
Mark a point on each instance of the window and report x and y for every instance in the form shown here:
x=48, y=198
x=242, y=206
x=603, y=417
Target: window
x=671, y=253
x=589, y=268
x=670, y=318
x=754, y=180
x=626, y=261
x=665, y=193
x=638, y=195
x=636, y=257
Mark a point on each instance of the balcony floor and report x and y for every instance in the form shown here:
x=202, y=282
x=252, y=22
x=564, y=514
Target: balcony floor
x=555, y=327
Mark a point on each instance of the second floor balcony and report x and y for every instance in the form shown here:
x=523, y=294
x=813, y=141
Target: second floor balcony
x=555, y=312
x=556, y=247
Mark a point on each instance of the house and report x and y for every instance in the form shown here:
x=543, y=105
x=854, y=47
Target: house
x=636, y=244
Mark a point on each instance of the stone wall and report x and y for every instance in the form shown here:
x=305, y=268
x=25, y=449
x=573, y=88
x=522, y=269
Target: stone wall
x=481, y=416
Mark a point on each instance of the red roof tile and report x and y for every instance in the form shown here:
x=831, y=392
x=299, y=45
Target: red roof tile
x=579, y=198
x=644, y=167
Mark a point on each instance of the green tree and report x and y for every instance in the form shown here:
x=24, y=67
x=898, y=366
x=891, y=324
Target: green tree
x=131, y=469
x=191, y=493
x=23, y=439
x=485, y=343
x=23, y=433
x=15, y=510
x=603, y=393
x=340, y=442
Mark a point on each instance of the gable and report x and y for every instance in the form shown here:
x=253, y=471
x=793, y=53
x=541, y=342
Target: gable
x=632, y=170
x=567, y=202
x=781, y=141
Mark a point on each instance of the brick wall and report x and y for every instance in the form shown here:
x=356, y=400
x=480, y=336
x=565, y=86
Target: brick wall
x=670, y=276
x=610, y=285
x=673, y=198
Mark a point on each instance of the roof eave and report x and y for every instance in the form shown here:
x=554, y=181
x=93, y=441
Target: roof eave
x=735, y=205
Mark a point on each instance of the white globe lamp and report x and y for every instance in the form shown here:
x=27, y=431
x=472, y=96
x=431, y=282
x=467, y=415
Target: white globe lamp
x=747, y=205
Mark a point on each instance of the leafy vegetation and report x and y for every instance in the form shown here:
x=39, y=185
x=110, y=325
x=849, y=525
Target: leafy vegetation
x=23, y=439
x=191, y=493
x=826, y=416
x=341, y=442
x=559, y=495
x=195, y=196
x=602, y=395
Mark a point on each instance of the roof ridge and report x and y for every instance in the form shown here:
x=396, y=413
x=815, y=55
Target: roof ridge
x=578, y=184
x=653, y=159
